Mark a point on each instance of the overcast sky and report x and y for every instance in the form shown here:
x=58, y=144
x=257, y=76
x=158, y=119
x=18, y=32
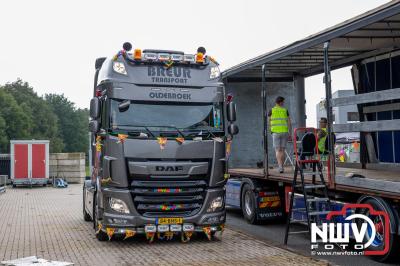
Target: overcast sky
x=53, y=44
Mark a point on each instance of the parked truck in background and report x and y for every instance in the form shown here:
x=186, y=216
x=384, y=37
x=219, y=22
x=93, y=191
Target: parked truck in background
x=158, y=136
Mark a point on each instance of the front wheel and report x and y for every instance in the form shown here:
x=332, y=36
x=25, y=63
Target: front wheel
x=248, y=201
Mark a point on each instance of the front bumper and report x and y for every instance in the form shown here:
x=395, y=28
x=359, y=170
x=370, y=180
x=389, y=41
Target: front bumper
x=137, y=222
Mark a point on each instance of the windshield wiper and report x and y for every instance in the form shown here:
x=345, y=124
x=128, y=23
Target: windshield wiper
x=174, y=127
x=148, y=130
x=201, y=129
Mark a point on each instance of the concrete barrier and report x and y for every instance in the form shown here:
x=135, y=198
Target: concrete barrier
x=69, y=166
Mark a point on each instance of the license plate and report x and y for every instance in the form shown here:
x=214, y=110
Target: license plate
x=169, y=220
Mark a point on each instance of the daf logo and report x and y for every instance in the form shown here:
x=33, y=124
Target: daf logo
x=169, y=168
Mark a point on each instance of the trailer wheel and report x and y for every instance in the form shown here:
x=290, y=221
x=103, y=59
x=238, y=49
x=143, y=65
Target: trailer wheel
x=248, y=203
x=100, y=235
x=86, y=215
x=379, y=241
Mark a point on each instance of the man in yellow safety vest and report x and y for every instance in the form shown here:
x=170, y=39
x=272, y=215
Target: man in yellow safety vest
x=322, y=134
x=280, y=126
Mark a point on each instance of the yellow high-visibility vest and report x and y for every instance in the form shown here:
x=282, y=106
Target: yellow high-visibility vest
x=321, y=141
x=279, y=120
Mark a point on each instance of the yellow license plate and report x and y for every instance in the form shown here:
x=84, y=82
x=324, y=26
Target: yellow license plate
x=169, y=220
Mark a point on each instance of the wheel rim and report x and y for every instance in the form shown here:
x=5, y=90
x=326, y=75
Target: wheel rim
x=379, y=229
x=248, y=203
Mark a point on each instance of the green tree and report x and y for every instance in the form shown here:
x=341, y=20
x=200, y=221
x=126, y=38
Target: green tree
x=43, y=121
x=72, y=122
x=14, y=122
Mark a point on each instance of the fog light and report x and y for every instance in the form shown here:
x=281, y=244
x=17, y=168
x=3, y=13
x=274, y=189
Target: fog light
x=216, y=204
x=118, y=205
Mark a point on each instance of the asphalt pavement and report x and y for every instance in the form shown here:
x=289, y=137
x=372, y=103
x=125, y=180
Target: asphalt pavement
x=273, y=233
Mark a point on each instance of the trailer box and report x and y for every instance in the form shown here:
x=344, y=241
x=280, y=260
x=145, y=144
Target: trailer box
x=29, y=162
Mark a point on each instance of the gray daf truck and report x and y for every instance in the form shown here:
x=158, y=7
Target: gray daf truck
x=159, y=123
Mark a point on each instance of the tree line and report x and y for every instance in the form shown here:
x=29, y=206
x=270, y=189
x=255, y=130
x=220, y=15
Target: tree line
x=24, y=115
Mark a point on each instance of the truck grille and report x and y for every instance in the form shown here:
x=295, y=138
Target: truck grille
x=168, y=198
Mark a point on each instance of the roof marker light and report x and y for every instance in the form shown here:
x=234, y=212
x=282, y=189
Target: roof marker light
x=199, y=57
x=137, y=54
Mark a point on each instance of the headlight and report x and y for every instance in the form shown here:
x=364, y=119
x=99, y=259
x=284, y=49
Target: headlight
x=118, y=205
x=214, y=72
x=119, y=67
x=216, y=204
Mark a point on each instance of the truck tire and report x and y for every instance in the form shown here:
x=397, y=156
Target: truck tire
x=378, y=244
x=100, y=235
x=248, y=204
x=86, y=216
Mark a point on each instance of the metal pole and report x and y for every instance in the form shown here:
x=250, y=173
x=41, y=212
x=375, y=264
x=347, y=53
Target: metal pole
x=329, y=116
x=264, y=112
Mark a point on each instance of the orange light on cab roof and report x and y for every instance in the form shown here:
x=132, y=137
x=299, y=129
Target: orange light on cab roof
x=137, y=54
x=199, y=58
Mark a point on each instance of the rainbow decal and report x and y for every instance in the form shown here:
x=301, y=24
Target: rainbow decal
x=170, y=207
x=167, y=190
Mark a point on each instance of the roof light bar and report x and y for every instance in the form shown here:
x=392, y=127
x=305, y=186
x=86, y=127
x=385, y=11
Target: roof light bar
x=189, y=58
x=176, y=57
x=150, y=56
x=163, y=57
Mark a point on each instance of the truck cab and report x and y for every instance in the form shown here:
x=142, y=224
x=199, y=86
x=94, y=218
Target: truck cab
x=158, y=144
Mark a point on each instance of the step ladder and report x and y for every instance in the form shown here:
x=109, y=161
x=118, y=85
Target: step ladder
x=311, y=201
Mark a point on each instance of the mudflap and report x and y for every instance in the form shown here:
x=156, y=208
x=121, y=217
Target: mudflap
x=270, y=206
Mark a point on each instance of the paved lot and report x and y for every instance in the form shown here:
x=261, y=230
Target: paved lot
x=273, y=234
x=47, y=222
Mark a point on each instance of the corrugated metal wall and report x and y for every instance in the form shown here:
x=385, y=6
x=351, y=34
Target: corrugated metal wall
x=247, y=147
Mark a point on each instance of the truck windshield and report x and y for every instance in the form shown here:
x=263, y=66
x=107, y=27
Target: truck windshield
x=183, y=116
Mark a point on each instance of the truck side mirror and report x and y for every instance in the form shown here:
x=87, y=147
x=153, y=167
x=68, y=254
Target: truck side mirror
x=233, y=129
x=99, y=62
x=231, y=111
x=93, y=126
x=94, y=108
